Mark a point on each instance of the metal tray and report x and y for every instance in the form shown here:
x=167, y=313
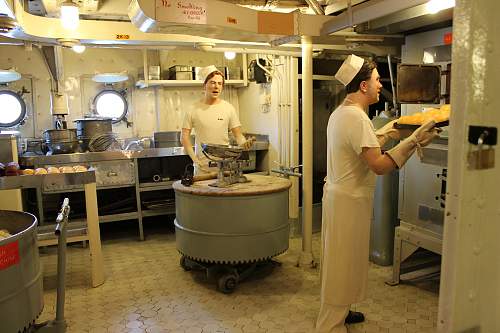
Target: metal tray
x=417, y=83
x=413, y=127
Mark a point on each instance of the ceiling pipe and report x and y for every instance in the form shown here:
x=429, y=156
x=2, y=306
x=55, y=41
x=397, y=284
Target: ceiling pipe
x=218, y=18
x=44, y=30
x=316, y=7
x=367, y=11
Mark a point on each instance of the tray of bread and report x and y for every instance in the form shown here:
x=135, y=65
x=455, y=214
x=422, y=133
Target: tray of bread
x=441, y=116
x=13, y=177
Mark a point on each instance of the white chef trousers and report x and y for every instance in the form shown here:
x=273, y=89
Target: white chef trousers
x=331, y=318
x=203, y=161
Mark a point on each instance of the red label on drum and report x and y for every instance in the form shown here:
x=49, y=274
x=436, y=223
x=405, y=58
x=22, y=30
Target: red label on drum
x=9, y=255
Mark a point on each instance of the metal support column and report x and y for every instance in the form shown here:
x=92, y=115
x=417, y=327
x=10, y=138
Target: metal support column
x=306, y=256
x=138, y=199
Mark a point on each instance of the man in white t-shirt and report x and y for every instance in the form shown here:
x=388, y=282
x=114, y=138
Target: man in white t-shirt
x=354, y=158
x=212, y=118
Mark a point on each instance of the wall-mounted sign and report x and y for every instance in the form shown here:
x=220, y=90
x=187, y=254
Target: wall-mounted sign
x=182, y=11
x=448, y=38
x=9, y=255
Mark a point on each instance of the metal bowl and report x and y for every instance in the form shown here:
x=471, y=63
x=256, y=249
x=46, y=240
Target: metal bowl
x=63, y=147
x=221, y=151
x=57, y=135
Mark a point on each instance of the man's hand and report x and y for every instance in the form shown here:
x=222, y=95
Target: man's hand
x=200, y=166
x=248, y=143
x=389, y=132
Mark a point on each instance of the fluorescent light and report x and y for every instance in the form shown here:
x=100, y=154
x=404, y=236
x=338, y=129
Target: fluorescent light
x=428, y=58
x=69, y=15
x=229, y=55
x=78, y=48
x=434, y=6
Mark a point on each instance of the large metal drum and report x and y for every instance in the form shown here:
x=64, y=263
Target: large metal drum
x=21, y=289
x=242, y=223
x=88, y=128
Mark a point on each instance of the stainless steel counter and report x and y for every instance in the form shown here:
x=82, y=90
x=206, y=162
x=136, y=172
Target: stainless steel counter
x=40, y=160
x=40, y=181
x=120, y=169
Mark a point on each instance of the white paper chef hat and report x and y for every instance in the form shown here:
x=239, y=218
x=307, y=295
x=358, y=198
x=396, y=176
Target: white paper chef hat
x=204, y=72
x=350, y=67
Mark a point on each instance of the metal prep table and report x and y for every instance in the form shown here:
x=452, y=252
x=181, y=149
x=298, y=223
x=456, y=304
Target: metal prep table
x=421, y=208
x=88, y=181
x=116, y=169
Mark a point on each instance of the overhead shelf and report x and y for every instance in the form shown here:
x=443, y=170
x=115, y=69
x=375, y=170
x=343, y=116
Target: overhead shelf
x=182, y=83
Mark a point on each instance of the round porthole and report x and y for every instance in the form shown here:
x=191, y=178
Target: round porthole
x=13, y=109
x=111, y=104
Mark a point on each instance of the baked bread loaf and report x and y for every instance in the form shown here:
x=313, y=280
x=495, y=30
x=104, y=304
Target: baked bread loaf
x=53, y=170
x=40, y=171
x=79, y=168
x=419, y=118
x=28, y=172
x=66, y=169
x=4, y=233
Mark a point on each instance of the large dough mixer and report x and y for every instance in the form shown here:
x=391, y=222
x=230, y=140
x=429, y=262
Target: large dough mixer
x=230, y=231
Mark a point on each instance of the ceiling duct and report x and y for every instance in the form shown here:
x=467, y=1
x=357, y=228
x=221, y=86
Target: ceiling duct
x=408, y=21
x=222, y=20
x=7, y=23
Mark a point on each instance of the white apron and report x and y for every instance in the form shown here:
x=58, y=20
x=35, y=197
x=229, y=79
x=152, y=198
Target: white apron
x=347, y=208
x=204, y=162
x=345, y=238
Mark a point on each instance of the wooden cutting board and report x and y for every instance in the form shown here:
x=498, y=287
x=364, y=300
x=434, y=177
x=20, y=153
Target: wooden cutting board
x=257, y=185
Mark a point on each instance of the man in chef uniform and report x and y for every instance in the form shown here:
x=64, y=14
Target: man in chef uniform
x=211, y=118
x=354, y=158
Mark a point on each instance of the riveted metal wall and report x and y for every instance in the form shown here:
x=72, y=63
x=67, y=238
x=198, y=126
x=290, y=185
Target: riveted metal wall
x=151, y=109
x=470, y=291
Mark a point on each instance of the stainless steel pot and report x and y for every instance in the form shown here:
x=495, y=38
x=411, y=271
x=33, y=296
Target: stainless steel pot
x=21, y=289
x=61, y=141
x=87, y=128
x=58, y=135
x=63, y=147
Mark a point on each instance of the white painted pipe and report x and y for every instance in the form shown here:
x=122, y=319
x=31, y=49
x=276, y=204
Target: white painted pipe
x=282, y=113
x=294, y=140
x=307, y=149
x=279, y=111
x=286, y=110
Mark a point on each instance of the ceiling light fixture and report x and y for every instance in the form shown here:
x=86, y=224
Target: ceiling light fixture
x=9, y=75
x=78, y=48
x=74, y=44
x=204, y=46
x=69, y=15
x=229, y=55
x=434, y=6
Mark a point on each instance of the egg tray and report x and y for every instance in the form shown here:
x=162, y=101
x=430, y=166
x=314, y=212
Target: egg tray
x=414, y=127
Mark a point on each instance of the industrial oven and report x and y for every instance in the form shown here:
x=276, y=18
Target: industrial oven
x=422, y=181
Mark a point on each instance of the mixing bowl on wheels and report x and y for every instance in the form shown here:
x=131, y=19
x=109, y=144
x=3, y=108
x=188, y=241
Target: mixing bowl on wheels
x=21, y=284
x=21, y=289
x=231, y=231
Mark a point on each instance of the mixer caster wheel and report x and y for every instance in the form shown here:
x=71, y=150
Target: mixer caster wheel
x=183, y=263
x=227, y=283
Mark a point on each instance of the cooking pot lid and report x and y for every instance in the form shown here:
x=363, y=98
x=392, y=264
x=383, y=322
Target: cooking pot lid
x=93, y=119
x=60, y=130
